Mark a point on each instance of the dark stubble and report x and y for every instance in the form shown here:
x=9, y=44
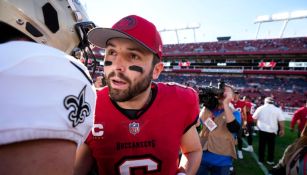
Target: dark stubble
x=132, y=91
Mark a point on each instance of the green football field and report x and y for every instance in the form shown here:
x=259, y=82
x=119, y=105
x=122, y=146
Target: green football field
x=249, y=166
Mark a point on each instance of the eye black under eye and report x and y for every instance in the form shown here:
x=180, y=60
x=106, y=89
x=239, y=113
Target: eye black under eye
x=107, y=63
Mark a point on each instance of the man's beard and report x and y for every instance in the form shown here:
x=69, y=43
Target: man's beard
x=132, y=91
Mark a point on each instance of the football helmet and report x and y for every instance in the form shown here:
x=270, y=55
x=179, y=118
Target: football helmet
x=62, y=24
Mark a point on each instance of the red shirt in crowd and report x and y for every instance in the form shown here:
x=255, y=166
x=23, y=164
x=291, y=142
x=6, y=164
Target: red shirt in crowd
x=249, y=112
x=299, y=115
x=239, y=105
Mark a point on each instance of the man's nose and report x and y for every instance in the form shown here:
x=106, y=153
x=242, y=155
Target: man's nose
x=120, y=63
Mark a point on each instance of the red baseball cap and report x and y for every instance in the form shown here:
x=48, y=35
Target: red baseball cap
x=131, y=27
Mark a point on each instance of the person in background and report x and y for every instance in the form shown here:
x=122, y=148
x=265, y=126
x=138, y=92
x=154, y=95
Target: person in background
x=299, y=118
x=47, y=96
x=270, y=122
x=240, y=106
x=221, y=125
x=250, y=123
x=100, y=82
x=140, y=126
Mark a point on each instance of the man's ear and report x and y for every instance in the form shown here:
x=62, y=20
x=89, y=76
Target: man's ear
x=157, y=70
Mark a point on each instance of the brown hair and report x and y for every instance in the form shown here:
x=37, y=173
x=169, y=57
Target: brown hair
x=299, y=143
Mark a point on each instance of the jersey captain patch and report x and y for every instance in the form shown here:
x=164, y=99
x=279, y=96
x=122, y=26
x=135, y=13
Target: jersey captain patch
x=79, y=108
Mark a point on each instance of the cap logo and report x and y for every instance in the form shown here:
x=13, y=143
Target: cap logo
x=127, y=23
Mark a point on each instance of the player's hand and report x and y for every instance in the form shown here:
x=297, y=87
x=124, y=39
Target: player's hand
x=244, y=126
x=281, y=133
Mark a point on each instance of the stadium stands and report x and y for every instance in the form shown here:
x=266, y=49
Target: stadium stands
x=288, y=92
x=258, y=68
x=263, y=45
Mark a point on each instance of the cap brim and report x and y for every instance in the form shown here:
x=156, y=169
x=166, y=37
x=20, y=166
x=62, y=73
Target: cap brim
x=100, y=36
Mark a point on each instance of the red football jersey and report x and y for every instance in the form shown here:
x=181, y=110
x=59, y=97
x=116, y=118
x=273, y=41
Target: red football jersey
x=239, y=105
x=249, y=112
x=299, y=115
x=148, y=144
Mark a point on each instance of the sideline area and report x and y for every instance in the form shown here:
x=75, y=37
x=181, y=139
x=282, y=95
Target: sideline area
x=255, y=157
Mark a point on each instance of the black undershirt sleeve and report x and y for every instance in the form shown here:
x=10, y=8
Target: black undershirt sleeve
x=233, y=126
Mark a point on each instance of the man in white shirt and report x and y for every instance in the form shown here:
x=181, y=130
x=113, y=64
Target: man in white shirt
x=270, y=122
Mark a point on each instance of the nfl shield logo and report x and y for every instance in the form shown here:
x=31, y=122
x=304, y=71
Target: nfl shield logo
x=134, y=128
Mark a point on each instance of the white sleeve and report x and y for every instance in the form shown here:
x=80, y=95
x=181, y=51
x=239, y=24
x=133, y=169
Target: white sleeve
x=256, y=113
x=45, y=94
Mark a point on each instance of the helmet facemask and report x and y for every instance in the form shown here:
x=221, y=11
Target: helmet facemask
x=62, y=24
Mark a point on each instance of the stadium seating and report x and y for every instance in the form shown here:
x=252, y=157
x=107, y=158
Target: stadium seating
x=261, y=45
x=288, y=87
x=288, y=92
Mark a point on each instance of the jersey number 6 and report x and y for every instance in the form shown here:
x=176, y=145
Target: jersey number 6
x=147, y=163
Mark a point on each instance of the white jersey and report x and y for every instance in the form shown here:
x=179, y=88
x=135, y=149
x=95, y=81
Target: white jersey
x=45, y=94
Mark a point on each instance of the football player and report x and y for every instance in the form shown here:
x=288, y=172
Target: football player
x=47, y=96
x=140, y=126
